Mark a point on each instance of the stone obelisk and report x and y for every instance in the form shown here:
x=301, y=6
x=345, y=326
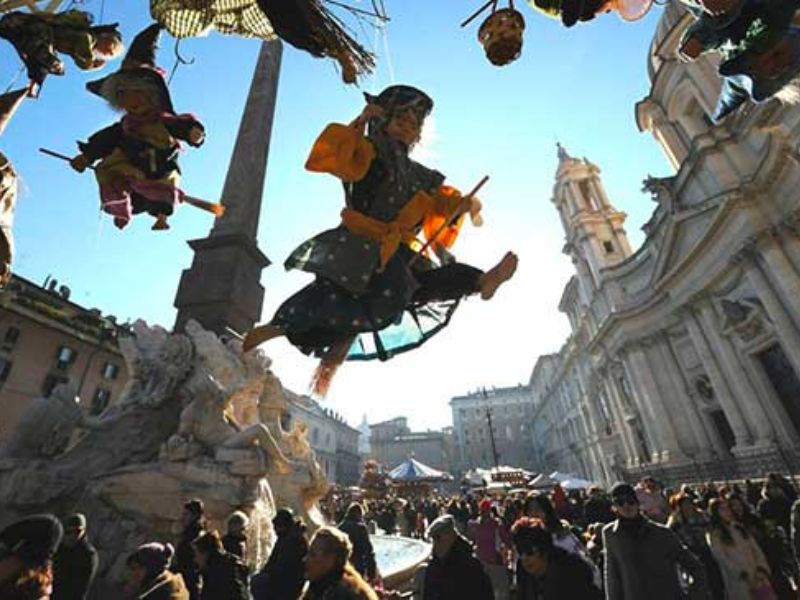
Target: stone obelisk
x=222, y=289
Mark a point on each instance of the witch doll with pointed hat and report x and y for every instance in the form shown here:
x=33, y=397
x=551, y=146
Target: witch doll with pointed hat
x=375, y=293
x=138, y=156
x=39, y=37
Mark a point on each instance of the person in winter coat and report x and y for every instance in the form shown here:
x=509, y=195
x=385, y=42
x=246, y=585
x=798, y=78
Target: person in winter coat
x=491, y=539
x=26, y=551
x=235, y=541
x=148, y=577
x=184, y=562
x=690, y=525
x=643, y=557
x=539, y=506
x=330, y=575
x=75, y=564
x=597, y=508
x=222, y=574
x=547, y=572
x=454, y=573
x=774, y=504
x=743, y=564
x=282, y=577
x=363, y=555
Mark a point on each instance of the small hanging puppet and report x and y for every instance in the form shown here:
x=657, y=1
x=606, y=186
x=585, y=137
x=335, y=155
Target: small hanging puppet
x=39, y=37
x=138, y=169
x=572, y=11
x=305, y=24
x=758, y=45
x=9, y=183
x=375, y=294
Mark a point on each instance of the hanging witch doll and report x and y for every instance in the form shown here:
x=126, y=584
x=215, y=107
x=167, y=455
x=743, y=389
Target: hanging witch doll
x=138, y=156
x=759, y=47
x=39, y=37
x=375, y=293
x=570, y=12
x=305, y=24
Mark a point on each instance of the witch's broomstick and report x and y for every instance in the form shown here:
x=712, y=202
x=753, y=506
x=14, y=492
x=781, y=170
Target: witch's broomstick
x=215, y=208
x=451, y=218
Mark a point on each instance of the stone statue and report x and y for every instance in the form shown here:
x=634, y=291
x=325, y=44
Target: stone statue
x=8, y=202
x=46, y=425
x=297, y=440
x=172, y=431
x=208, y=421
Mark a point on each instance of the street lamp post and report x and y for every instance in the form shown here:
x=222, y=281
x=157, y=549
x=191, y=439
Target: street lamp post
x=495, y=454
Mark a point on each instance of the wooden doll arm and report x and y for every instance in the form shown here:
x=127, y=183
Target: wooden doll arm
x=186, y=127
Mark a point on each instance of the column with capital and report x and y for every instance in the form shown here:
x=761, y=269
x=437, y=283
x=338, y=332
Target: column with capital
x=781, y=273
x=639, y=369
x=629, y=444
x=702, y=441
x=786, y=329
x=734, y=371
x=727, y=399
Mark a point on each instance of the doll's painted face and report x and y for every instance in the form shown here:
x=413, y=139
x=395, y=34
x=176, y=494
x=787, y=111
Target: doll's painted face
x=135, y=102
x=404, y=126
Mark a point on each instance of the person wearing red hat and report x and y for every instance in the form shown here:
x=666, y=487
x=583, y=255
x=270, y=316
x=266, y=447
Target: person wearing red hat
x=492, y=541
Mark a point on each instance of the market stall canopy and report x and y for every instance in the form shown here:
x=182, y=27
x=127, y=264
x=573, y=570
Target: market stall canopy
x=576, y=483
x=411, y=470
x=542, y=481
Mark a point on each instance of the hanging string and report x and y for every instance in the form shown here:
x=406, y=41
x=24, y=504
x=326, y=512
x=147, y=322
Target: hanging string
x=387, y=53
x=102, y=10
x=179, y=60
x=14, y=79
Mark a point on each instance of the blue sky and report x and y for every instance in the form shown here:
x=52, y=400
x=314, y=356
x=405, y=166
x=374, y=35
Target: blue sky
x=575, y=86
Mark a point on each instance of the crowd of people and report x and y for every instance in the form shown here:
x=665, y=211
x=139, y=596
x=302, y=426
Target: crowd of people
x=642, y=542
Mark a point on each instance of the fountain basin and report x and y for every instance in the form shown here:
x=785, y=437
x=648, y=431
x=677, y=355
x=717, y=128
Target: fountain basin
x=399, y=558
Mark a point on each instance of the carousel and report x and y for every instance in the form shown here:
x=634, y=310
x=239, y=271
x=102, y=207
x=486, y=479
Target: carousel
x=411, y=478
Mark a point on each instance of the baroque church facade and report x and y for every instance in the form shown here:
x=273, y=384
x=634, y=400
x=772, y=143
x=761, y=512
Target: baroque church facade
x=684, y=356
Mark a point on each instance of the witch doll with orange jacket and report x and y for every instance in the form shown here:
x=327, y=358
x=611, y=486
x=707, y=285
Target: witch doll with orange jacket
x=374, y=295
x=138, y=156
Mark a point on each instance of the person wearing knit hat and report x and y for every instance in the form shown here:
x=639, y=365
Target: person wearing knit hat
x=26, y=549
x=235, y=539
x=138, y=156
x=149, y=577
x=33, y=540
x=492, y=543
x=454, y=572
x=75, y=563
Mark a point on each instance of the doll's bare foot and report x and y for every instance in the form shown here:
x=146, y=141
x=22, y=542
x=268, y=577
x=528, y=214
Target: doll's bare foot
x=161, y=223
x=259, y=335
x=498, y=275
x=33, y=90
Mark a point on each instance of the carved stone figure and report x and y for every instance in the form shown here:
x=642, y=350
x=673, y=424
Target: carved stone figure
x=46, y=425
x=207, y=420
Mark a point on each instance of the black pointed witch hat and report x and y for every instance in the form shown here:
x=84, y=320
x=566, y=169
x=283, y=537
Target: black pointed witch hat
x=139, y=66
